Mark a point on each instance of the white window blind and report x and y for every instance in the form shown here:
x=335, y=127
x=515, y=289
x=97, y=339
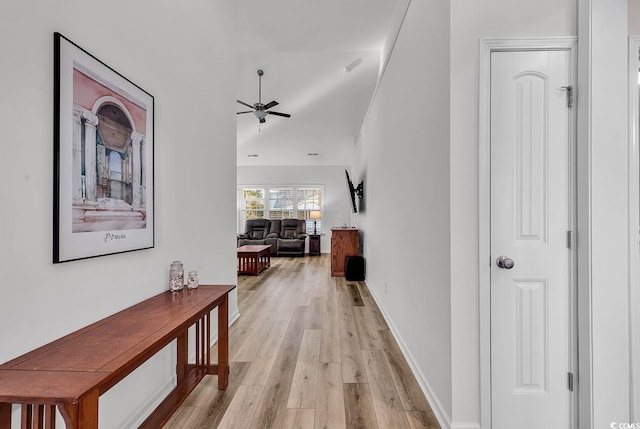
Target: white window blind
x=280, y=202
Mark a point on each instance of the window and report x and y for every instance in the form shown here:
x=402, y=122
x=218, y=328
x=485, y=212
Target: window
x=280, y=202
x=309, y=199
x=252, y=204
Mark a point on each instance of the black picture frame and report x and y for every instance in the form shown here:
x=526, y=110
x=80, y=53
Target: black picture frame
x=103, y=184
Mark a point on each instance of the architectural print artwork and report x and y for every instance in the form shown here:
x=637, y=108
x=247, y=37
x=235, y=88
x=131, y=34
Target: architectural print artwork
x=103, y=166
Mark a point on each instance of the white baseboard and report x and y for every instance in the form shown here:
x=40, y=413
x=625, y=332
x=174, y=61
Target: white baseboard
x=465, y=425
x=436, y=406
x=235, y=316
x=147, y=407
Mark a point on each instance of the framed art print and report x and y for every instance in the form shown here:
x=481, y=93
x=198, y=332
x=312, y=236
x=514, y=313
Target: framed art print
x=103, y=158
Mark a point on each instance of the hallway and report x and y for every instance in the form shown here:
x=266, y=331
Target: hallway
x=308, y=351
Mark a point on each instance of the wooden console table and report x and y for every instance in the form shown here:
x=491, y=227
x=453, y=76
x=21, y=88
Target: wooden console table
x=253, y=258
x=344, y=242
x=72, y=372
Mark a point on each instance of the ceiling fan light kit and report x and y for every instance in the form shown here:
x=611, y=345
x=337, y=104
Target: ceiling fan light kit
x=262, y=110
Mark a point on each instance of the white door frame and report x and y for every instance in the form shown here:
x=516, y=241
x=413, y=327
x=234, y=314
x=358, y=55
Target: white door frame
x=634, y=223
x=487, y=46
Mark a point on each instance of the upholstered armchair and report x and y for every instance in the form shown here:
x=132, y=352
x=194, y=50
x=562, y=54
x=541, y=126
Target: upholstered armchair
x=292, y=237
x=255, y=232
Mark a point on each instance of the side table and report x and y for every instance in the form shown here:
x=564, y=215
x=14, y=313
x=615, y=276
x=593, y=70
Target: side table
x=314, y=244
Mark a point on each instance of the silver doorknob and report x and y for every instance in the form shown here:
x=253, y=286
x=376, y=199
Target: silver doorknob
x=504, y=262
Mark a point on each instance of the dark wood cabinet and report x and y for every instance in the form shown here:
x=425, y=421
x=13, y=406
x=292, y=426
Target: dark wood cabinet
x=314, y=244
x=344, y=242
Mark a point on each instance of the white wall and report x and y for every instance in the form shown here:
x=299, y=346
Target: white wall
x=633, y=18
x=337, y=209
x=403, y=156
x=605, y=143
x=470, y=21
x=398, y=151
x=181, y=55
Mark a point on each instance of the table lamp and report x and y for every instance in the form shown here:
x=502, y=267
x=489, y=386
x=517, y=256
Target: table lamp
x=315, y=215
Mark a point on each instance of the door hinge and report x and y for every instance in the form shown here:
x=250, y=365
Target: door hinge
x=570, y=240
x=569, y=95
x=570, y=381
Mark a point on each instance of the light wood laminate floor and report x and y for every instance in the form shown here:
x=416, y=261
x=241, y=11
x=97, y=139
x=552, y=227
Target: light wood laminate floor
x=308, y=351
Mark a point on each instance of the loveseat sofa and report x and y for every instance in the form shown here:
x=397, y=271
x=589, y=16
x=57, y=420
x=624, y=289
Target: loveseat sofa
x=286, y=237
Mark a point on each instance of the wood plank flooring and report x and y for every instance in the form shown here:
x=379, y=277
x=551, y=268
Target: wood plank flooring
x=309, y=351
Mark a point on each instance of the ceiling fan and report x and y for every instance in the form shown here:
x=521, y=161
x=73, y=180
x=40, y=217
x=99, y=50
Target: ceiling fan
x=262, y=110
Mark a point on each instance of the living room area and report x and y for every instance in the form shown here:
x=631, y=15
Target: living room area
x=325, y=184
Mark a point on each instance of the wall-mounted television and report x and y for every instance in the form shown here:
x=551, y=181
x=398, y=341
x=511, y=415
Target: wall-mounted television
x=353, y=192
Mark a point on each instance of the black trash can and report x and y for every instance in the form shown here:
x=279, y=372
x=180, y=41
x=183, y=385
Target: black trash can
x=354, y=268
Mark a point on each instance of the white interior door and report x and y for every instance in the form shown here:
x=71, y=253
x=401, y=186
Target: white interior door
x=530, y=216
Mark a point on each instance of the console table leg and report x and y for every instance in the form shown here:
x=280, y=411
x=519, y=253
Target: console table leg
x=82, y=415
x=198, y=344
x=5, y=415
x=204, y=342
x=182, y=356
x=207, y=324
x=223, y=343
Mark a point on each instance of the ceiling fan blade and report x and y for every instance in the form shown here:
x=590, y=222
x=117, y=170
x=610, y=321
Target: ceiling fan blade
x=268, y=106
x=246, y=104
x=246, y=111
x=285, y=115
x=263, y=120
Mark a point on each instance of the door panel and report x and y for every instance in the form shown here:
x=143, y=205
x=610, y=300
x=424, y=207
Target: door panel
x=530, y=217
x=530, y=128
x=532, y=369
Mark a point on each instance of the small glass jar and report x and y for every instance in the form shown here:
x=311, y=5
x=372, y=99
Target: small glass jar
x=192, y=280
x=176, y=276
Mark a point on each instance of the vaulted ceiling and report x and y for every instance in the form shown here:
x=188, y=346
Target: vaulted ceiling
x=303, y=46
